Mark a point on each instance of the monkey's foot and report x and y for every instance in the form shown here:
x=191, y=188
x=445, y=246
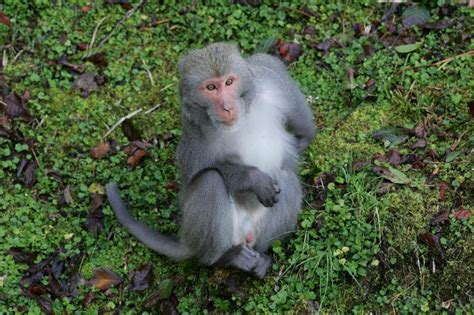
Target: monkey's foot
x=247, y=259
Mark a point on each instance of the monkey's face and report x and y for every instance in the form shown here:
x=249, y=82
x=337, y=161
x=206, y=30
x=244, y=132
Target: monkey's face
x=222, y=93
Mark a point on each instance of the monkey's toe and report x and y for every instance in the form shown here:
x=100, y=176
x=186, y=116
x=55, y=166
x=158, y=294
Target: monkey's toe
x=264, y=262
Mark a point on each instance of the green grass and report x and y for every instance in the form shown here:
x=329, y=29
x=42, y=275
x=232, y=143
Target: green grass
x=362, y=243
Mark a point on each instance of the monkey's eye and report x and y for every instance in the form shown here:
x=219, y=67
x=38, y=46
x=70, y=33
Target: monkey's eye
x=229, y=82
x=211, y=87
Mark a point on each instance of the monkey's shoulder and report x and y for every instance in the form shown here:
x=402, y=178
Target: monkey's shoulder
x=268, y=62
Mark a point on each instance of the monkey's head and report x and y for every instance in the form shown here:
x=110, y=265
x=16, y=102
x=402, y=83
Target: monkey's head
x=215, y=85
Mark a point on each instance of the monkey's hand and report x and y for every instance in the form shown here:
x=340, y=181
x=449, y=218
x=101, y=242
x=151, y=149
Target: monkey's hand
x=264, y=187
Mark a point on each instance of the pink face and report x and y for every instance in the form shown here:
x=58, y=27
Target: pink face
x=222, y=92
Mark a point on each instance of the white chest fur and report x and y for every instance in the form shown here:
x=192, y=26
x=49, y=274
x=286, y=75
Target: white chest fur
x=261, y=140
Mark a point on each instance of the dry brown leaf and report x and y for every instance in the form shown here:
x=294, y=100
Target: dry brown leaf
x=5, y=19
x=104, y=279
x=101, y=150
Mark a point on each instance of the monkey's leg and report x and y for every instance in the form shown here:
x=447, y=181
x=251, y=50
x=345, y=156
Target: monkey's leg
x=247, y=259
x=210, y=226
x=282, y=218
x=207, y=224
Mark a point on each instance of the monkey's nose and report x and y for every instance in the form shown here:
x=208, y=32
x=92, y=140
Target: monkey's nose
x=228, y=109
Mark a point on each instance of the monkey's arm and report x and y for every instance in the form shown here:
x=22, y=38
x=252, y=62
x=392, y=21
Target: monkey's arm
x=298, y=114
x=240, y=178
x=300, y=121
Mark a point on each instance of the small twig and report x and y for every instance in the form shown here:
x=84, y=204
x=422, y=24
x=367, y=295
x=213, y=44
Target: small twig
x=148, y=72
x=121, y=120
x=4, y=58
x=152, y=109
x=36, y=159
x=161, y=21
x=96, y=30
x=167, y=87
x=448, y=60
x=440, y=62
x=17, y=55
x=117, y=26
x=41, y=122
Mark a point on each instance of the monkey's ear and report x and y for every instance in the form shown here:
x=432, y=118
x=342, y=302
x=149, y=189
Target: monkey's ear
x=182, y=65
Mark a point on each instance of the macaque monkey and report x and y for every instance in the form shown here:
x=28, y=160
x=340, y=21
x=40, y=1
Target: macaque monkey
x=244, y=122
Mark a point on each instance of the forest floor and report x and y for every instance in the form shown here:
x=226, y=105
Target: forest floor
x=387, y=222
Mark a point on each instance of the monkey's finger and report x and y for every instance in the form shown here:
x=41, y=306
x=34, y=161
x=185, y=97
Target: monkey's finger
x=276, y=188
x=275, y=200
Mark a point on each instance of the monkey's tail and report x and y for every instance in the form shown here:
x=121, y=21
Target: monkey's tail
x=162, y=244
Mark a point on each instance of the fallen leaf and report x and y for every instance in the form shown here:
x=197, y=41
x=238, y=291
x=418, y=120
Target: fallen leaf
x=442, y=188
x=432, y=241
x=79, y=68
x=358, y=29
x=470, y=108
x=95, y=217
x=21, y=256
x=440, y=218
x=88, y=299
x=45, y=304
x=135, y=158
x=419, y=144
x=5, y=122
x=104, y=278
x=451, y=155
x=394, y=157
x=164, y=291
x=247, y=2
x=359, y=165
x=101, y=150
x=385, y=187
x=370, y=86
x=29, y=177
x=404, y=49
x=392, y=174
x=5, y=19
x=169, y=306
x=86, y=84
x=141, y=278
x=136, y=151
x=420, y=130
x=462, y=214
x=416, y=15
x=350, y=74
x=439, y=25
x=409, y=158
x=390, y=136
x=309, y=30
x=82, y=46
x=290, y=52
x=326, y=44
x=86, y=8
x=16, y=106
x=98, y=59
x=397, y=40
x=37, y=289
x=129, y=130
x=368, y=50
x=67, y=195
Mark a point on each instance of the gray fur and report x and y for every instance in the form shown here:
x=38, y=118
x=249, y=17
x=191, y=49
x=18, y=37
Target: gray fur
x=214, y=181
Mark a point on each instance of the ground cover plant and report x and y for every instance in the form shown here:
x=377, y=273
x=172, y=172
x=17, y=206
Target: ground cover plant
x=88, y=95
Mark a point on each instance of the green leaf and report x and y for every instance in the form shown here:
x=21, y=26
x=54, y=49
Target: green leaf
x=392, y=135
x=404, y=49
x=451, y=156
x=266, y=45
x=416, y=15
